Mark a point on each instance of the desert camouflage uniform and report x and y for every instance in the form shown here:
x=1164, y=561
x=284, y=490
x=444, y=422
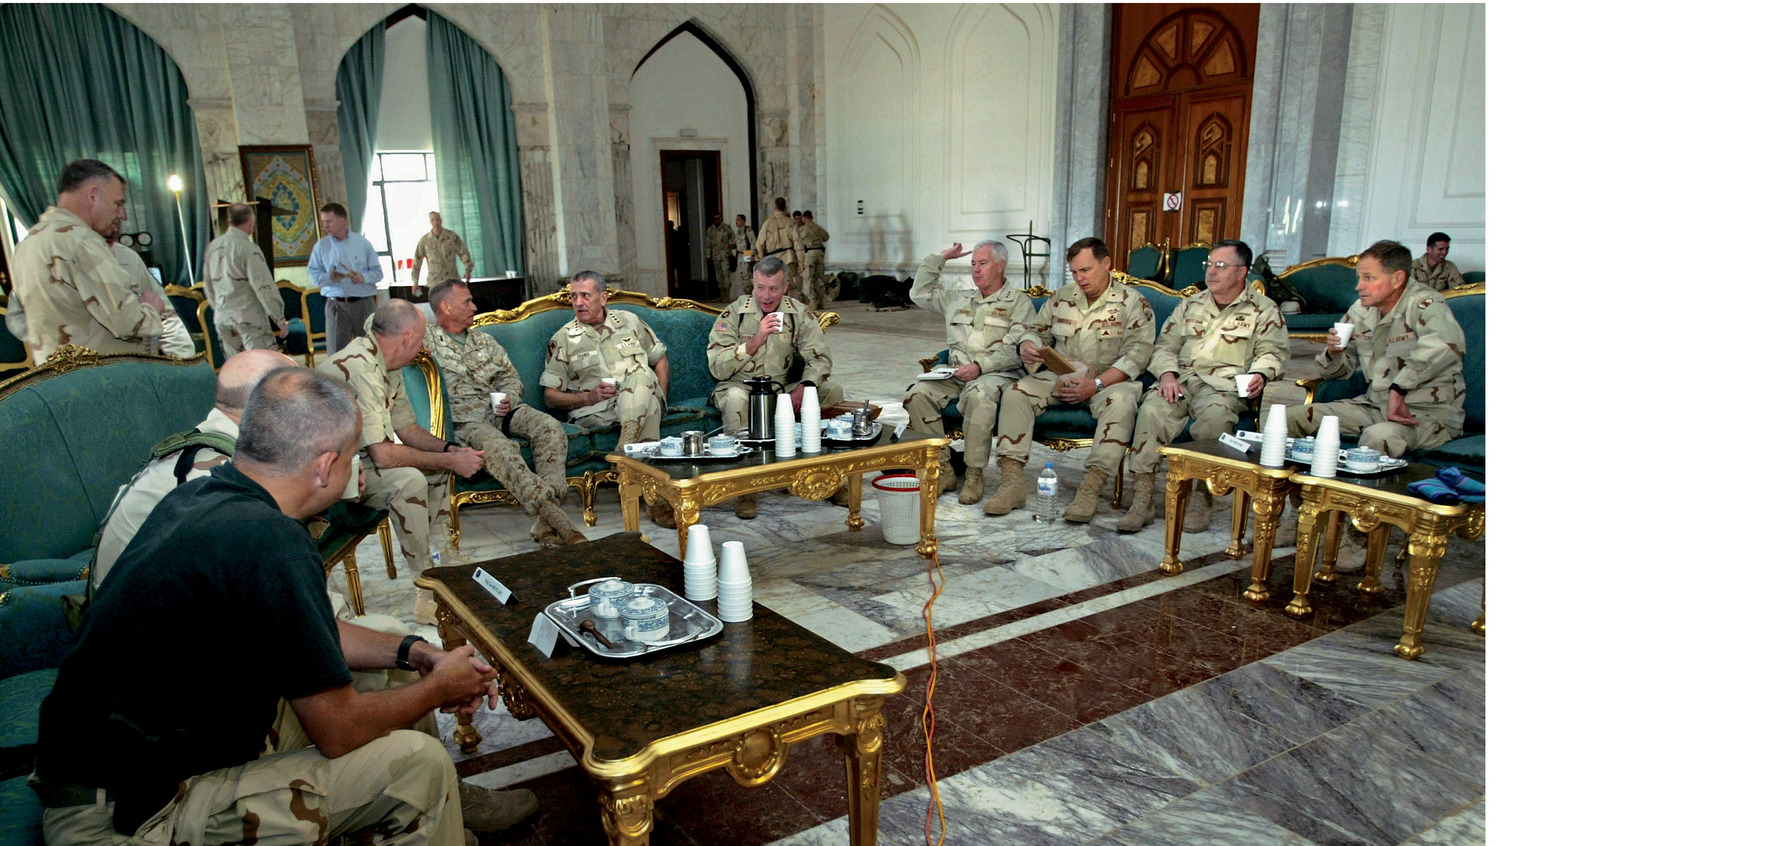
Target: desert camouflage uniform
x=69, y=289
x=242, y=293
x=624, y=347
x=473, y=365
x=718, y=243
x=1117, y=332
x=1207, y=348
x=1419, y=347
x=439, y=252
x=415, y=500
x=978, y=333
x=730, y=364
x=812, y=241
x=779, y=238
x=743, y=239
x=1440, y=277
x=175, y=339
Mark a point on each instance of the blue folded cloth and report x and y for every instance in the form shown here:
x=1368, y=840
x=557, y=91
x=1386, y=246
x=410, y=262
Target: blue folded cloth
x=1434, y=491
x=1469, y=490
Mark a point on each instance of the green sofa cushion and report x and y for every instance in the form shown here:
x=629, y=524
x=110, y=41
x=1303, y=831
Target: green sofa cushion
x=1310, y=323
x=1327, y=288
x=1185, y=268
x=1465, y=452
x=33, y=628
x=1473, y=318
x=43, y=571
x=21, y=818
x=21, y=697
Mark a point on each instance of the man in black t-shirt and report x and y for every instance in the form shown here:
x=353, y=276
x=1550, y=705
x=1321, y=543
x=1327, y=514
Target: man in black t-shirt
x=216, y=610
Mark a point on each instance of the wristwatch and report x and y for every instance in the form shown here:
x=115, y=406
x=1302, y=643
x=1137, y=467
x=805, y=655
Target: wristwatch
x=1098, y=384
x=403, y=656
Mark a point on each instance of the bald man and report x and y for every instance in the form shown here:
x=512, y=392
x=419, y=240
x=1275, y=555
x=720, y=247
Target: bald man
x=248, y=308
x=196, y=456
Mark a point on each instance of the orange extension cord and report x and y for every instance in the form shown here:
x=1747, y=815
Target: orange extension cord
x=937, y=581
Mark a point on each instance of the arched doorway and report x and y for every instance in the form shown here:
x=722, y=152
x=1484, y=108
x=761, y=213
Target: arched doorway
x=692, y=131
x=1182, y=78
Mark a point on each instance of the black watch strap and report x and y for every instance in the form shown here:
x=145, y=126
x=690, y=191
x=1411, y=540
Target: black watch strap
x=403, y=656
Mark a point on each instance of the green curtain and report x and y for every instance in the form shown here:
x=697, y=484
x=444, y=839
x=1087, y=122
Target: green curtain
x=82, y=82
x=474, y=133
x=359, y=105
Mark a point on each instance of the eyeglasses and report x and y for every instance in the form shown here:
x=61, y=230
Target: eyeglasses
x=1208, y=265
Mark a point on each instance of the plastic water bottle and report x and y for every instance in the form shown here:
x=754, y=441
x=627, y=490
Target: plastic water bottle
x=1046, y=496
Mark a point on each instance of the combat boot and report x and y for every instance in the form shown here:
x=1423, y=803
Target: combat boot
x=1012, y=489
x=1138, y=515
x=745, y=507
x=495, y=810
x=561, y=523
x=1082, y=508
x=661, y=513
x=973, y=490
x=948, y=482
x=1199, y=508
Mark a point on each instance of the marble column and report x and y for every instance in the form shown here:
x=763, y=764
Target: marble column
x=805, y=68
x=541, y=260
x=1301, y=58
x=577, y=80
x=219, y=141
x=622, y=175
x=329, y=160
x=1079, y=167
x=1358, y=104
x=774, y=163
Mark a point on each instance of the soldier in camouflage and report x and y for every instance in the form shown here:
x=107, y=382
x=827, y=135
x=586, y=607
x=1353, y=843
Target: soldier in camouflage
x=1410, y=347
x=437, y=253
x=744, y=245
x=812, y=241
x=1104, y=329
x=1433, y=269
x=718, y=246
x=241, y=290
x=1225, y=331
x=979, y=317
x=473, y=366
x=763, y=335
x=407, y=477
x=600, y=344
x=780, y=238
x=68, y=289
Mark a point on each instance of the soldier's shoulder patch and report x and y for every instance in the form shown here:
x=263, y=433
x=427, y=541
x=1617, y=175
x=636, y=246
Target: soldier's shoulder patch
x=720, y=325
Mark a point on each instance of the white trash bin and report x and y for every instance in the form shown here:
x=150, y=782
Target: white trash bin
x=901, y=504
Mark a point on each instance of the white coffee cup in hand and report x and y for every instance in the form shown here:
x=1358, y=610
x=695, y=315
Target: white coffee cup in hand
x=1243, y=384
x=498, y=399
x=1343, y=332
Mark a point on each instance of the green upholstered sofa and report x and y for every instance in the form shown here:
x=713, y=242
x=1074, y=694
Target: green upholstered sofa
x=683, y=326
x=1475, y=277
x=1148, y=262
x=75, y=430
x=1328, y=288
x=1465, y=452
x=1185, y=270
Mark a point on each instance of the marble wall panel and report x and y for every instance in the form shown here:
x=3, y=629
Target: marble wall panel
x=1079, y=170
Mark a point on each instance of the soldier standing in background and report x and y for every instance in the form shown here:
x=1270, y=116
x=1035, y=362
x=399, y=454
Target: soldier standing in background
x=779, y=239
x=718, y=243
x=812, y=240
x=438, y=251
x=247, y=305
x=744, y=246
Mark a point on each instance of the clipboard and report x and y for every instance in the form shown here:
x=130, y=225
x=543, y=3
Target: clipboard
x=1054, y=362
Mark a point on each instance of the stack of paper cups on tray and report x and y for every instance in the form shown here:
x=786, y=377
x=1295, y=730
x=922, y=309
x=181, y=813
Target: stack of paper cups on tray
x=699, y=566
x=1328, y=448
x=735, y=583
x=809, y=421
x=784, y=427
x=1273, y=437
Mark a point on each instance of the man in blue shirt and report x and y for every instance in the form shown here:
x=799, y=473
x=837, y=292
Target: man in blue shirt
x=346, y=269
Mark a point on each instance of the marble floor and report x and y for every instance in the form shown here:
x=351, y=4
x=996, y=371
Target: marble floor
x=1080, y=696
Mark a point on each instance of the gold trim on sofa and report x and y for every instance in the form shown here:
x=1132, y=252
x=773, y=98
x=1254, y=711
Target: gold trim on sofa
x=74, y=357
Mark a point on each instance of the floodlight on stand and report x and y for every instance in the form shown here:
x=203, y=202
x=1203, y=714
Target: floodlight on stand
x=177, y=187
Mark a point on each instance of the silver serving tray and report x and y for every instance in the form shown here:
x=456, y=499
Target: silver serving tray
x=689, y=623
x=743, y=450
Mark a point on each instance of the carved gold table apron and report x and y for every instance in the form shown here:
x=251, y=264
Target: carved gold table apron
x=1223, y=470
x=736, y=702
x=1374, y=504
x=689, y=487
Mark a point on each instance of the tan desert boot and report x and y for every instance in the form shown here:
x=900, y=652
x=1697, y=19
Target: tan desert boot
x=1138, y=515
x=973, y=490
x=1199, y=508
x=1012, y=489
x=1082, y=508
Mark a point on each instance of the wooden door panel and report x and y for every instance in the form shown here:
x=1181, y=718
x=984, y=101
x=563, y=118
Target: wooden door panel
x=1140, y=172
x=1210, y=157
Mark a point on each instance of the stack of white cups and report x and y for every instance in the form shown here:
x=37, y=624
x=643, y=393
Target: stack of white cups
x=1328, y=448
x=1273, y=437
x=735, y=583
x=809, y=421
x=784, y=427
x=699, y=565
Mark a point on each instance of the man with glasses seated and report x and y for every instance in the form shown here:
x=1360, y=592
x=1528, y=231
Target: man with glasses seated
x=1225, y=331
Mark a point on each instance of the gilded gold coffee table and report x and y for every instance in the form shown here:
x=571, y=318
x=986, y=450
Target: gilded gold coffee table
x=638, y=728
x=1225, y=470
x=1373, y=504
x=691, y=486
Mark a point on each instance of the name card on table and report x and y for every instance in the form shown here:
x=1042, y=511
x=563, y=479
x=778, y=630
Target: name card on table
x=492, y=586
x=544, y=635
x=1235, y=443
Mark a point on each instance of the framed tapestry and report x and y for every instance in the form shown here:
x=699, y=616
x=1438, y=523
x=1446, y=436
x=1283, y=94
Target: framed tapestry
x=285, y=176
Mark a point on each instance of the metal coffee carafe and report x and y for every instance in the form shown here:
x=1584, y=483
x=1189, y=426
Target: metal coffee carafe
x=762, y=407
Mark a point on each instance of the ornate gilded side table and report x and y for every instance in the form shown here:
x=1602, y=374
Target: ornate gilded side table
x=1225, y=470
x=691, y=486
x=1373, y=504
x=736, y=702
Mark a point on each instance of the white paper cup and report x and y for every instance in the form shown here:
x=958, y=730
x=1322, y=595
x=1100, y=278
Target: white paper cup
x=1243, y=384
x=612, y=382
x=1343, y=331
x=701, y=548
x=510, y=274
x=733, y=566
x=497, y=397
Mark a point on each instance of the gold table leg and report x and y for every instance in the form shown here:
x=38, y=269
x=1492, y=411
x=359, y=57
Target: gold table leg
x=862, y=754
x=1268, y=501
x=466, y=736
x=1376, y=542
x=1308, y=508
x=1239, y=505
x=929, y=484
x=1176, y=490
x=627, y=812
x=688, y=513
x=630, y=500
x=1427, y=545
x=854, y=521
x=1331, y=549
x=1478, y=625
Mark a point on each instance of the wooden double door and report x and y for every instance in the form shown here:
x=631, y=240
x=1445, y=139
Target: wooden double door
x=1178, y=132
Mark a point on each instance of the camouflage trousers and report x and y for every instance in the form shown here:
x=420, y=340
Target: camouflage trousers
x=638, y=407
x=978, y=410
x=1160, y=421
x=733, y=398
x=237, y=336
x=1392, y=439
x=504, y=460
x=415, y=501
x=1114, y=408
x=812, y=285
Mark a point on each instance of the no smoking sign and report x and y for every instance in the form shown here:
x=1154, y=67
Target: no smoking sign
x=1172, y=202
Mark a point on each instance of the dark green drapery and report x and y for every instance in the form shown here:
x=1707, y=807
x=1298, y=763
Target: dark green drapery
x=474, y=133
x=359, y=105
x=118, y=98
